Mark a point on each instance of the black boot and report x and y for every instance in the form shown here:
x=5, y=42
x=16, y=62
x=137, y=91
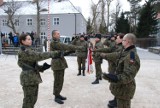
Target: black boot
x=58, y=100
x=112, y=103
x=61, y=97
x=83, y=72
x=100, y=78
x=96, y=81
x=79, y=73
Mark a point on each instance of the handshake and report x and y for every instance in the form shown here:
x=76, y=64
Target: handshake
x=110, y=77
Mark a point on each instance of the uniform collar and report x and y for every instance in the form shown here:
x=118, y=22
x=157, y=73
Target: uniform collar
x=130, y=47
x=24, y=47
x=55, y=39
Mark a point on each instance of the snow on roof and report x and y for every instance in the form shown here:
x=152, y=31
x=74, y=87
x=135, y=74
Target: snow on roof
x=29, y=8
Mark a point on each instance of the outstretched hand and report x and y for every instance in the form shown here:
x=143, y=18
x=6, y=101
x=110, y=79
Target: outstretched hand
x=45, y=66
x=110, y=77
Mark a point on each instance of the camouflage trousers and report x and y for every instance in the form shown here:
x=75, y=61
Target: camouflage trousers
x=30, y=96
x=98, y=69
x=58, y=81
x=123, y=103
x=81, y=63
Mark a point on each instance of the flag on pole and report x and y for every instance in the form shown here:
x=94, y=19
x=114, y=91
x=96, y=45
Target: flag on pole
x=89, y=62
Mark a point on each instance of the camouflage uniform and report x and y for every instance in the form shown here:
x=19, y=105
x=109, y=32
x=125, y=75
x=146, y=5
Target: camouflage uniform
x=126, y=71
x=81, y=54
x=107, y=42
x=58, y=65
x=98, y=60
x=109, y=49
x=30, y=77
x=112, y=63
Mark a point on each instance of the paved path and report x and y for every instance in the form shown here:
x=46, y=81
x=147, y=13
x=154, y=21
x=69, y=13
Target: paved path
x=79, y=90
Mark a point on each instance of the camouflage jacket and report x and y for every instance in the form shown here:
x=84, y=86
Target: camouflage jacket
x=27, y=60
x=126, y=70
x=107, y=42
x=96, y=55
x=60, y=63
x=84, y=44
x=111, y=48
x=119, y=47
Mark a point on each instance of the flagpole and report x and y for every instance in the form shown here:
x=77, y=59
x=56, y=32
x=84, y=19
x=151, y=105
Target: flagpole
x=49, y=38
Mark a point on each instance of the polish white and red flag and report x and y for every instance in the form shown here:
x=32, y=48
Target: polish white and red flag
x=89, y=67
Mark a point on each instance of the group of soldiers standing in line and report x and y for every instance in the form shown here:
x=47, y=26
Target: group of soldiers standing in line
x=123, y=66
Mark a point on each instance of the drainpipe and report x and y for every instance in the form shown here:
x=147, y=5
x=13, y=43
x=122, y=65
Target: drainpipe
x=75, y=24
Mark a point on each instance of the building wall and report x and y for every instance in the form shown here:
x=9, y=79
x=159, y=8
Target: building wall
x=69, y=24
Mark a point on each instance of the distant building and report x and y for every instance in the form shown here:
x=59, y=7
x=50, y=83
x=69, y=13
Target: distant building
x=63, y=16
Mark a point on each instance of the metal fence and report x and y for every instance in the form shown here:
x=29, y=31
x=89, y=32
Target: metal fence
x=148, y=42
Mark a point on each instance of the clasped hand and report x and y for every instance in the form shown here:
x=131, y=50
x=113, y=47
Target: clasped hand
x=110, y=77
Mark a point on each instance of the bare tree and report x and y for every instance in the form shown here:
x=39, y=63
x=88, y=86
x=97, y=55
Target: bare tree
x=38, y=4
x=95, y=13
x=10, y=8
x=108, y=12
x=102, y=6
x=130, y=19
x=135, y=7
x=114, y=15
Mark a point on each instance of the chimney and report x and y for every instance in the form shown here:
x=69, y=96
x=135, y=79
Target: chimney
x=1, y=2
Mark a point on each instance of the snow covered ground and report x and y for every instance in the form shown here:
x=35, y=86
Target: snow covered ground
x=78, y=89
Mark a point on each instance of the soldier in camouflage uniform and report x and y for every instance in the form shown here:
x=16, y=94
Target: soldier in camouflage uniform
x=30, y=77
x=81, y=54
x=112, y=67
x=97, y=59
x=123, y=80
x=59, y=65
x=107, y=42
x=110, y=48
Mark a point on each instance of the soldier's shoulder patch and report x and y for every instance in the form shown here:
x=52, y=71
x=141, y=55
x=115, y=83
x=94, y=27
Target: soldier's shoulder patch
x=132, y=57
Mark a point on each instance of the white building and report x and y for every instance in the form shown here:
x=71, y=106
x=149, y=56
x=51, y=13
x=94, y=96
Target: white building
x=63, y=16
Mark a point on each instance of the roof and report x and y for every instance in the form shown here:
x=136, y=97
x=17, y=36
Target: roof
x=29, y=8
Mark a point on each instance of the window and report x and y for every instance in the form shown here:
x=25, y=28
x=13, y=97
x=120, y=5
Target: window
x=42, y=21
x=43, y=35
x=16, y=22
x=55, y=21
x=4, y=22
x=29, y=21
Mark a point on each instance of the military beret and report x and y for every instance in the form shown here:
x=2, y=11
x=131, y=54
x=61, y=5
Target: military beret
x=98, y=36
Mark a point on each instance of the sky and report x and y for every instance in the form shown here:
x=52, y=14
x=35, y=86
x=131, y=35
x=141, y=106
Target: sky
x=86, y=4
